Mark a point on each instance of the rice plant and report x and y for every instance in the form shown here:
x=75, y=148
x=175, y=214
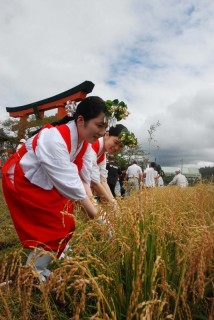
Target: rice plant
x=158, y=263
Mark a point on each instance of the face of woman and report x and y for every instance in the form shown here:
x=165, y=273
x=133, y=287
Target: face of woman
x=112, y=144
x=93, y=129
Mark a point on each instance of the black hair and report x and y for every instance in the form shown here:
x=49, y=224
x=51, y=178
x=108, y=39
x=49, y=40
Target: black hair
x=115, y=131
x=110, y=157
x=153, y=165
x=89, y=108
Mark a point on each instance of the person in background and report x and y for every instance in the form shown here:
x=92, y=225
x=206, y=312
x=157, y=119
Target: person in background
x=47, y=174
x=4, y=158
x=114, y=140
x=179, y=179
x=113, y=174
x=21, y=142
x=110, y=144
x=117, y=189
x=134, y=177
x=122, y=179
x=150, y=175
x=160, y=182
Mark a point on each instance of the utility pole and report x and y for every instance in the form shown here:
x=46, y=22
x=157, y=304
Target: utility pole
x=182, y=162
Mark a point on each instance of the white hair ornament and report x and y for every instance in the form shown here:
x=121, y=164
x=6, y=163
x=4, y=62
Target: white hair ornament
x=112, y=121
x=71, y=107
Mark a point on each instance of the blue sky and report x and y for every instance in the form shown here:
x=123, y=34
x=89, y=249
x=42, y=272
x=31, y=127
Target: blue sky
x=157, y=56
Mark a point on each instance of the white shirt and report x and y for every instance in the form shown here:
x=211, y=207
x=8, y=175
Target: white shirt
x=99, y=171
x=160, y=182
x=134, y=171
x=51, y=165
x=179, y=180
x=151, y=174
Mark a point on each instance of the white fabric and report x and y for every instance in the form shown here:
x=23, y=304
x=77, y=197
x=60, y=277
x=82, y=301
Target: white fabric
x=151, y=174
x=117, y=189
x=179, y=180
x=52, y=166
x=19, y=146
x=134, y=171
x=160, y=182
x=40, y=262
x=99, y=171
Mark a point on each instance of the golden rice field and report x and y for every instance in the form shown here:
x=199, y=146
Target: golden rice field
x=157, y=265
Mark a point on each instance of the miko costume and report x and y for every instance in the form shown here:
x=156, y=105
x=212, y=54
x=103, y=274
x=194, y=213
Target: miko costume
x=99, y=171
x=40, y=182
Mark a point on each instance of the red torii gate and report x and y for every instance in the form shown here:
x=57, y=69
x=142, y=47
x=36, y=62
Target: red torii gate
x=58, y=101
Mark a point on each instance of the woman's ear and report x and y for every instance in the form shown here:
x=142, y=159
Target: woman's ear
x=107, y=134
x=80, y=120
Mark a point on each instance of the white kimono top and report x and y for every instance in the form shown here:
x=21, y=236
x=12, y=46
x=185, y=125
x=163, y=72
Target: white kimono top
x=99, y=171
x=51, y=164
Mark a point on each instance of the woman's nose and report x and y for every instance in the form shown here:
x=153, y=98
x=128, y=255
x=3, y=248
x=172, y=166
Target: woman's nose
x=102, y=132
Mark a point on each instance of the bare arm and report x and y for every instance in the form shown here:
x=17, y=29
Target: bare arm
x=108, y=190
x=174, y=180
x=102, y=191
x=88, y=190
x=89, y=207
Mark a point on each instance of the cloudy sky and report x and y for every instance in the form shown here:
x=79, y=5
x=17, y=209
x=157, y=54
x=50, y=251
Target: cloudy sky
x=155, y=55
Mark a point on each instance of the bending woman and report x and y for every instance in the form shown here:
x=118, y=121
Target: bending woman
x=114, y=140
x=47, y=174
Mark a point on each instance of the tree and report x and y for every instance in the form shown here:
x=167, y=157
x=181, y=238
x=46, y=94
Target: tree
x=207, y=172
x=7, y=142
x=12, y=130
x=151, y=132
x=127, y=155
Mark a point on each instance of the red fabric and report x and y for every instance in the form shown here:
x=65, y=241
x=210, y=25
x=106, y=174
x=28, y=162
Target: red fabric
x=65, y=132
x=37, y=213
x=96, y=147
x=34, y=142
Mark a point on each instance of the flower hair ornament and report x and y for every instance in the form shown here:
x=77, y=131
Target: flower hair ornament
x=71, y=107
x=128, y=139
x=115, y=111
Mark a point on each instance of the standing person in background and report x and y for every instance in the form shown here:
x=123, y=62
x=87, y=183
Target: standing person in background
x=114, y=140
x=122, y=178
x=179, y=179
x=113, y=174
x=160, y=182
x=134, y=177
x=21, y=142
x=47, y=174
x=150, y=175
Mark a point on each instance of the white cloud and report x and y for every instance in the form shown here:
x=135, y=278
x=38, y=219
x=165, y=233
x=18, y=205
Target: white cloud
x=155, y=55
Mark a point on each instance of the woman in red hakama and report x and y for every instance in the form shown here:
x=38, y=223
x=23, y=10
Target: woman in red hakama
x=43, y=178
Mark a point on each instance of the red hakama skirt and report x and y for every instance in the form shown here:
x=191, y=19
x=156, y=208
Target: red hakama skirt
x=41, y=217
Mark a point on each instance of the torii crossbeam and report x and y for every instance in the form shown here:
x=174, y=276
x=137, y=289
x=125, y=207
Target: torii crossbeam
x=38, y=108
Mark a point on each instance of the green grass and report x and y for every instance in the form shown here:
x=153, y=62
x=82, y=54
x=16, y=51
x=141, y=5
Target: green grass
x=8, y=237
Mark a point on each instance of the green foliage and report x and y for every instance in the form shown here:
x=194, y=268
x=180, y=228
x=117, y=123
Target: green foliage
x=12, y=130
x=136, y=153
x=207, y=172
x=117, y=109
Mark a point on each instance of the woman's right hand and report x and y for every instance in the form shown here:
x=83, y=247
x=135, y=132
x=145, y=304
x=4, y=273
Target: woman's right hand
x=90, y=208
